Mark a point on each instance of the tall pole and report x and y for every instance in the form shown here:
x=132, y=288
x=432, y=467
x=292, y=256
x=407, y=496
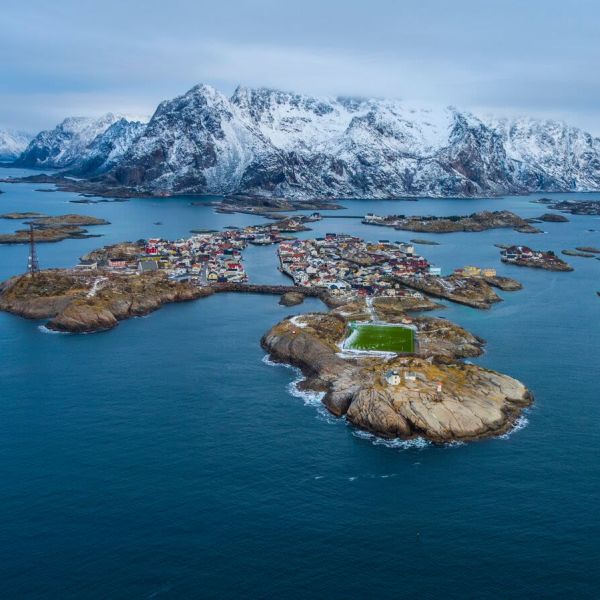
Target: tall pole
x=32, y=266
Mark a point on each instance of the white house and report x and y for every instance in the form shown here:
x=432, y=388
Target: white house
x=393, y=378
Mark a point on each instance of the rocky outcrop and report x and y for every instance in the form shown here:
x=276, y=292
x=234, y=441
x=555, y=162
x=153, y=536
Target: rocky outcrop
x=46, y=235
x=470, y=291
x=481, y=221
x=441, y=400
x=43, y=222
x=506, y=284
x=580, y=253
x=474, y=403
x=548, y=261
x=21, y=216
x=291, y=299
x=50, y=229
x=86, y=302
x=574, y=207
x=553, y=218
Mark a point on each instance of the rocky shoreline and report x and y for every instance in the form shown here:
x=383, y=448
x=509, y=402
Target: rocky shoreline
x=481, y=221
x=580, y=253
x=269, y=206
x=50, y=228
x=441, y=398
x=438, y=397
x=522, y=256
x=85, y=302
x=470, y=291
x=574, y=207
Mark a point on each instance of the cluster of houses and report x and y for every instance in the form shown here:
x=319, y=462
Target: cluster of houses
x=205, y=258
x=516, y=254
x=202, y=258
x=344, y=262
x=406, y=378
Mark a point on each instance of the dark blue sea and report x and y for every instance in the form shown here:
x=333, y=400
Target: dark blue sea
x=168, y=459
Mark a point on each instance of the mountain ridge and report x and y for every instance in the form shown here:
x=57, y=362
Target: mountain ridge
x=270, y=142
x=13, y=143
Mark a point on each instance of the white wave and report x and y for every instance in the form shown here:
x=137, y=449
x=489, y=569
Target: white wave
x=417, y=443
x=520, y=423
x=309, y=397
x=45, y=329
x=267, y=360
x=312, y=398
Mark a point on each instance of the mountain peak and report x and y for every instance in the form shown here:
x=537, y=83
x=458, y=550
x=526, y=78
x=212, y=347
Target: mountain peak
x=274, y=142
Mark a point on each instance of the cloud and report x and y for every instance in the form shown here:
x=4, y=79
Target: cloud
x=500, y=55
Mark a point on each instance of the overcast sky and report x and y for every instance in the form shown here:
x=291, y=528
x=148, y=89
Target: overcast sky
x=79, y=57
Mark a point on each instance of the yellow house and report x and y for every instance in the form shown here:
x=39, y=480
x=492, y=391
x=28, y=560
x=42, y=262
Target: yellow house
x=472, y=271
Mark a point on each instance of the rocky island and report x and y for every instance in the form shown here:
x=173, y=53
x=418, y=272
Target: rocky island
x=268, y=206
x=50, y=229
x=523, y=256
x=424, y=242
x=471, y=291
x=481, y=221
x=428, y=393
x=574, y=207
x=86, y=302
x=577, y=252
x=20, y=216
x=553, y=218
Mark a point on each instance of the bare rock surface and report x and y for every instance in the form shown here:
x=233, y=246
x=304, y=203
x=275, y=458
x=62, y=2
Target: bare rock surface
x=85, y=302
x=291, y=299
x=471, y=291
x=439, y=398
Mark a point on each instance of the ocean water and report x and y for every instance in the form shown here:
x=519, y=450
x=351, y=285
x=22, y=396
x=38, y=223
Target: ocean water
x=167, y=458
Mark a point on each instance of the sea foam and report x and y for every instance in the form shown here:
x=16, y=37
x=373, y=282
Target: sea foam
x=520, y=423
x=45, y=329
x=309, y=397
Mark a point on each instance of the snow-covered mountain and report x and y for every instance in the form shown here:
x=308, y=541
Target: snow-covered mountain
x=81, y=143
x=550, y=154
x=12, y=143
x=108, y=148
x=270, y=142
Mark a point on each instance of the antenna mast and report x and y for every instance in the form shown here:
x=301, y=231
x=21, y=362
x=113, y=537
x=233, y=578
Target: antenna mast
x=32, y=265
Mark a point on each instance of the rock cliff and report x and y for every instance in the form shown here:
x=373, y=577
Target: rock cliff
x=438, y=398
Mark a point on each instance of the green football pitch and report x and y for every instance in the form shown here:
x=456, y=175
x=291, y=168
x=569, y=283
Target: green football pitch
x=383, y=338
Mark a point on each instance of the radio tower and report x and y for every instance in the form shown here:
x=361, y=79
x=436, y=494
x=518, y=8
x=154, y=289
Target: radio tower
x=32, y=265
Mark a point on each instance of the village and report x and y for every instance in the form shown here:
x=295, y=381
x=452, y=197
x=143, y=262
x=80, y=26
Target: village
x=342, y=263
x=201, y=258
x=204, y=258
